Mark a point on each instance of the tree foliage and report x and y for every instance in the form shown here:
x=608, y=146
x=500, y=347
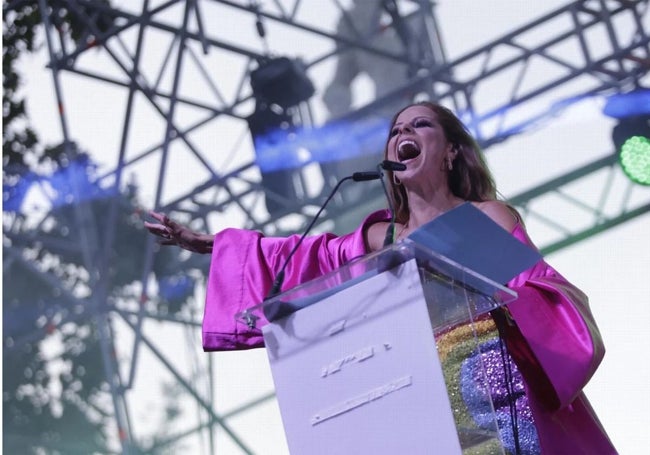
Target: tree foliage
x=77, y=22
x=19, y=140
x=59, y=402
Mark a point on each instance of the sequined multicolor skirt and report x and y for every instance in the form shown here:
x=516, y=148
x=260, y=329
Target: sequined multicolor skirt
x=486, y=391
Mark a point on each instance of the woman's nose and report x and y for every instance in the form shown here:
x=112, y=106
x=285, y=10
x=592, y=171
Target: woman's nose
x=408, y=128
x=405, y=128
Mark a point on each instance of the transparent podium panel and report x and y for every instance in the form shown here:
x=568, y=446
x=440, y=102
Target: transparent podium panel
x=384, y=356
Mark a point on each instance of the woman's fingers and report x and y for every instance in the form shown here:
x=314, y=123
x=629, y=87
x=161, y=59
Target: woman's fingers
x=158, y=216
x=157, y=229
x=161, y=231
x=167, y=223
x=170, y=231
x=164, y=226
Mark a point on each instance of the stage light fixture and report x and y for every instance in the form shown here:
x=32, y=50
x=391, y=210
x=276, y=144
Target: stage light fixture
x=631, y=138
x=279, y=85
x=281, y=81
x=271, y=129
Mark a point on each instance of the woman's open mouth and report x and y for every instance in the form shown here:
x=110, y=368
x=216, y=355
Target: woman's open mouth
x=407, y=150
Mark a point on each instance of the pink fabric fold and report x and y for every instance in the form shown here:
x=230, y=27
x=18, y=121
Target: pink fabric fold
x=557, y=346
x=551, y=333
x=244, y=265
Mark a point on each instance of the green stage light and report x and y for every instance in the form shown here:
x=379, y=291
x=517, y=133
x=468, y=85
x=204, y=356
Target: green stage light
x=635, y=159
x=631, y=137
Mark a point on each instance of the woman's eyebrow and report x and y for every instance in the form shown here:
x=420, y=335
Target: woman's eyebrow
x=416, y=118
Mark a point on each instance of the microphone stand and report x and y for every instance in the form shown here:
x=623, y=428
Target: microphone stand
x=357, y=177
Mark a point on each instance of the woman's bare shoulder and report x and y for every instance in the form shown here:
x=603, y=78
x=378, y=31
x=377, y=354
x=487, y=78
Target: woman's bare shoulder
x=500, y=212
x=375, y=235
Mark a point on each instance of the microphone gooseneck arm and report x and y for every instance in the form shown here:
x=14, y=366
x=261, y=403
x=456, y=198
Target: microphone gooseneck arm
x=357, y=177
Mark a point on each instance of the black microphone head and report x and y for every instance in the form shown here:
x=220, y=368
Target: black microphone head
x=392, y=166
x=365, y=175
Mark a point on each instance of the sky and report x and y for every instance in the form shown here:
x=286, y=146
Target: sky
x=611, y=267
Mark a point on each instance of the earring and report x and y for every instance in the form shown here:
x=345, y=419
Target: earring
x=396, y=180
x=450, y=164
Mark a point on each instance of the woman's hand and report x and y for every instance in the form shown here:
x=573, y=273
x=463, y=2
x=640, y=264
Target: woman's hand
x=172, y=233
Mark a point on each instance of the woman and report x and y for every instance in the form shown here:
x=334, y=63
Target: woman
x=549, y=330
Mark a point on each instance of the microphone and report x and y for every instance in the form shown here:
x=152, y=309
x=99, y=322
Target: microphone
x=364, y=176
x=357, y=177
x=389, y=166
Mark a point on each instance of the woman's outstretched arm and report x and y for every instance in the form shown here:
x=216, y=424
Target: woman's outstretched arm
x=172, y=233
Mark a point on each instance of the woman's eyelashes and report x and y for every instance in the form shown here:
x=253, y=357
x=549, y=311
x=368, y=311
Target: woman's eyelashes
x=418, y=123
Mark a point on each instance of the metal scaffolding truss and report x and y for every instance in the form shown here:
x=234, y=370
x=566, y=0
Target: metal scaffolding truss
x=179, y=74
x=573, y=68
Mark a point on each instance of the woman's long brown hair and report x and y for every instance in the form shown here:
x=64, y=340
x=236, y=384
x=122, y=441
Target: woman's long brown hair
x=470, y=178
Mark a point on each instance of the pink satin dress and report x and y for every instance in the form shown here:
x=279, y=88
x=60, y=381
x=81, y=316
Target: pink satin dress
x=549, y=330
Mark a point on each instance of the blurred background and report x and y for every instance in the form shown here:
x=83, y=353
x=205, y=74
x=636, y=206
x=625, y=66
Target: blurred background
x=246, y=114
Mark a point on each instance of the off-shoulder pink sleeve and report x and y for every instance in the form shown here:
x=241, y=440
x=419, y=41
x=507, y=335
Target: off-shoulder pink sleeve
x=244, y=265
x=554, y=319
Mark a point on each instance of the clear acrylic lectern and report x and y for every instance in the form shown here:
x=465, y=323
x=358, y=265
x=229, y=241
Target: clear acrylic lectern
x=363, y=363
